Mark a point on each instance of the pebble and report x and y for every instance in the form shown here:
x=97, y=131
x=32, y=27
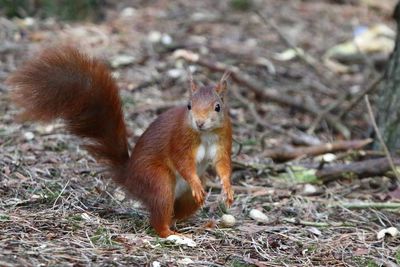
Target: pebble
x=175, y=73
x=309, y=189
x=228, y=220
x=29, y=136
x=154, y=36
x=258, y=216
x=128, y=12
x=166, y=39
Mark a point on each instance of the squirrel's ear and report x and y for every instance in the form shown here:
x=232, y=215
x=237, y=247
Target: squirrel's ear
x=223, y=83
x=193, y=86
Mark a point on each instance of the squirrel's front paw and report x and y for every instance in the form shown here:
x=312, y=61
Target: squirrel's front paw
x=198, y=194
x=229, y=197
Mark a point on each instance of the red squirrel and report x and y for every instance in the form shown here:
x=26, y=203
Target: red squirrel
x=164, y=170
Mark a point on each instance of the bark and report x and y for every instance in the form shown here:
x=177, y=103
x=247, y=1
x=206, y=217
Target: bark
x=388, y=116
x=361, y=169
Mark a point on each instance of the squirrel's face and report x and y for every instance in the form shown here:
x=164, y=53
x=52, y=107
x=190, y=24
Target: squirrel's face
x=206, y=106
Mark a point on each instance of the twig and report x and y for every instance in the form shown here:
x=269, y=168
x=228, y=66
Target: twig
x=238, y=188
x=360, y=96
x=324, y=112
x=308, y=223
x=260, y=91
x=287, y=41
x=307, y=59
x=289, y=153
x=301, y=137
x=90, y=240
x=372, y=205
x=61, y=192
x=239, y=149
x=254, y=166
x=379, y=135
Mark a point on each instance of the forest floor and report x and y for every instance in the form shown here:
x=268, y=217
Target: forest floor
x=57, y=207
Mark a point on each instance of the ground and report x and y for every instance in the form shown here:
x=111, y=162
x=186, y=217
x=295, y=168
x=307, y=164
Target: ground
x=57, y=206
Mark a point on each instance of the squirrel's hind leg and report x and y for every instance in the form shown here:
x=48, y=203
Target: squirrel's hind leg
x=185, y=206
x=161, y=218
x=159, y=199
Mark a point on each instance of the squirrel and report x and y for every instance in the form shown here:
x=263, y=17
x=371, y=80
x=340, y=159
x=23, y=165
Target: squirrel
x=165, y=169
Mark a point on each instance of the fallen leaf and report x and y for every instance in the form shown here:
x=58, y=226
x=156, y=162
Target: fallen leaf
x=122, y=60
x=288, y=54
x=388, y=231
x=181, y=240
x=210, y=224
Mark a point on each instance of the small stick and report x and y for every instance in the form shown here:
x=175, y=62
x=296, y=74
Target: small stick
x=379, y=135
x=288, y=42
x=360, y=96
x=240, y=147
x=308, y=223
x=238, y=188
x=308, y=60
x=300, y=138
x=285, y=154
x=323, y=113
x=255, y=166
x=372, y=205
x=90, y=240
x=61, y=192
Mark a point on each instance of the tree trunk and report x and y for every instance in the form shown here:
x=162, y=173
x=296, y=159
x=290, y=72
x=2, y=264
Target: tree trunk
x=389, y=100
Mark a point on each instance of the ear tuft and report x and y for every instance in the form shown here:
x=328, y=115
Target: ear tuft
x=193, y=85
x=223, y=83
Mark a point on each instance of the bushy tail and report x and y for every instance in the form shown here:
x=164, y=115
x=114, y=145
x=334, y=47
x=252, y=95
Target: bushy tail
x=64, y=83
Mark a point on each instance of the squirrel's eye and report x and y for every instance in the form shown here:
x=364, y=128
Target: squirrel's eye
x=217, y=108
x=189, y=107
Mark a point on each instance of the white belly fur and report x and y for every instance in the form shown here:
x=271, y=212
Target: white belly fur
x=206, y=153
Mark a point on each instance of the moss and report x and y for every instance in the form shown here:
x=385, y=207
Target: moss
x=4, y=217
x=397, y=256
x=299, y=174
x=242, y=5
x=239, y=263
x=102, y=237
x=62, y=9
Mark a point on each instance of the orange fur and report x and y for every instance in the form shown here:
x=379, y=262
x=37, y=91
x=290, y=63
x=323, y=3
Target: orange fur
x=185, y=206
x=63, y=83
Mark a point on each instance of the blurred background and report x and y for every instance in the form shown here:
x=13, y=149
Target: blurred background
x=301, y=70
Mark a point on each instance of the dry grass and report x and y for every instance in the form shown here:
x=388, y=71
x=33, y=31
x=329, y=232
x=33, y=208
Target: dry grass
x=56, y=210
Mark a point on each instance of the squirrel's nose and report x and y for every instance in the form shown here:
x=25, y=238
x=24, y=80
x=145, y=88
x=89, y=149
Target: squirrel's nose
x=200, y=124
